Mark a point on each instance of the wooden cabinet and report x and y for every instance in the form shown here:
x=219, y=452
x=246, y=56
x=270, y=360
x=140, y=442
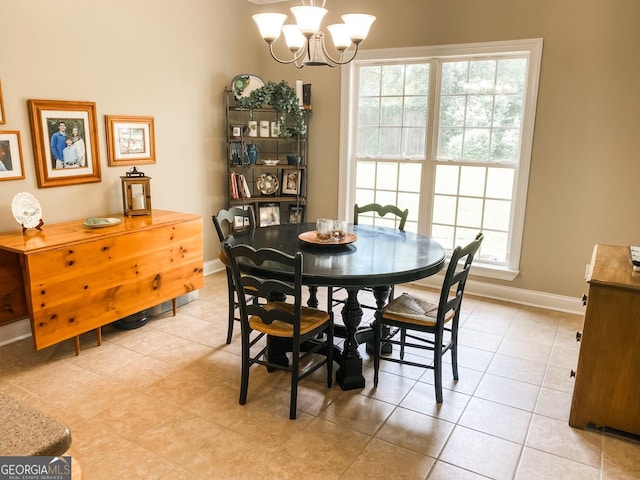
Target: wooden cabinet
x=73, y=279
x=607, y=385
x=277, y=193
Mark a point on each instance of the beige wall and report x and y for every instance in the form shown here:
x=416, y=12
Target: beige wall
x=172, y=61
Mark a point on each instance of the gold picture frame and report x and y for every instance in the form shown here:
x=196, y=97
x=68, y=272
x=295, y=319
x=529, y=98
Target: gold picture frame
x=11, y=163
x=60, y=125
x=130, y=140
x=2, y=117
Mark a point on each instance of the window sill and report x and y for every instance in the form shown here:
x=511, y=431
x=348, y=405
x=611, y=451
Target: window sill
x=492, y=271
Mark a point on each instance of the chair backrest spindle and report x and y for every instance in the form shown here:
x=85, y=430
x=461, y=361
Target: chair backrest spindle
x=456, y=277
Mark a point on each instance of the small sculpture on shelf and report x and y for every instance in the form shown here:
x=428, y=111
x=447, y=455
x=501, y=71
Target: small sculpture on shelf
x=27, y=211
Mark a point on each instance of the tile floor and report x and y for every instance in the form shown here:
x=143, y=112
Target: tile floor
x=160, y=402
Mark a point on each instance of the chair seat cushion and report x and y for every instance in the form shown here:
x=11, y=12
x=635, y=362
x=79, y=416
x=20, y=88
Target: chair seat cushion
x=409, y=309
x=310, y=318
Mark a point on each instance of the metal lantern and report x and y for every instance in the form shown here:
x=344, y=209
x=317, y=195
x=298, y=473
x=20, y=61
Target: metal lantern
x=136, y=193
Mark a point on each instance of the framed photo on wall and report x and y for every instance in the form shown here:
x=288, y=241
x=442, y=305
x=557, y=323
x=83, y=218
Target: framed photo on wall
x=130, y=140
x=269, y=214
x=2, y=118
x=291, y=182
x=11, y=164
x=296, y=214
x=65, y=143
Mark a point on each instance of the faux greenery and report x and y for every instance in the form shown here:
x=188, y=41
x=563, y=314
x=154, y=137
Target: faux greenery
x=283, y=99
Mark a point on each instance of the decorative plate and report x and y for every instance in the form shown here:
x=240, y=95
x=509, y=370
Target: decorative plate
x=242, y=85
x=312, y=237
x=98, y=222
x=26, y=210
x=270, y=163
x=267, y=184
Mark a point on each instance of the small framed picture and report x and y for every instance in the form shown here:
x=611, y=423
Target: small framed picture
x=240, y=222
x=2, y=119
x=11, y=164
x=291, y=182
x=65, y=142
x=269, y=214
x=130, y=140
x=296, y=214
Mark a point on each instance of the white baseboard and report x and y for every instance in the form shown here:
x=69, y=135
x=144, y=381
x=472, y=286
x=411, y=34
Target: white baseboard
x=15, y=331
x=520, y=296
x=212, y=266
x=22, y=329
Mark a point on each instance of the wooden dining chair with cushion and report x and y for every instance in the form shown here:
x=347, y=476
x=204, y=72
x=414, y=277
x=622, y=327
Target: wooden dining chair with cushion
x=223, y=221
x=283, y=320
x=425, y=325
x=382, y=211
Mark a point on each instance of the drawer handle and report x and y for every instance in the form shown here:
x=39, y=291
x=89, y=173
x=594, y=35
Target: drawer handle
x=578, y=336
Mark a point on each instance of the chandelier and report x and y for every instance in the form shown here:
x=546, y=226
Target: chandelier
x=305, y=40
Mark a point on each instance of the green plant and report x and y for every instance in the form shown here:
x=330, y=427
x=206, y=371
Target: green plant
x=283, y=99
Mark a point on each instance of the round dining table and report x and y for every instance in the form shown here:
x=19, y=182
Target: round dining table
x=370, y=256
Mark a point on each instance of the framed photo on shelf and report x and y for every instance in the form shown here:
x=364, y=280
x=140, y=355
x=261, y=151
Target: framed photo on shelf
x=65, y=142
x=296, y=214
x=11, y=164
x=130, y=140
x=269, y=214
x=240, y=222
x=291, y=182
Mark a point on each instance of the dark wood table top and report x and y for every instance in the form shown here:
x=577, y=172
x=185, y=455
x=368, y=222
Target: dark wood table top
x=380, y=256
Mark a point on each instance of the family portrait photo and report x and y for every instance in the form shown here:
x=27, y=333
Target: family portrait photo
x=65, y=144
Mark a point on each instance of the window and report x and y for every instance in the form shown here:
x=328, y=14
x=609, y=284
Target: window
x=445, y=132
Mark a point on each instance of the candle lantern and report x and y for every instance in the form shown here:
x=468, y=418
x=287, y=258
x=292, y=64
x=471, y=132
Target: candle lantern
x=136, y=193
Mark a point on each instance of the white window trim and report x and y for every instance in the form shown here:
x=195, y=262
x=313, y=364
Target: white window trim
x=346, y=182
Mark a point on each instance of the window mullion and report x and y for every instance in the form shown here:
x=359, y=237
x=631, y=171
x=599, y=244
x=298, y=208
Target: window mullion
x=425, y=219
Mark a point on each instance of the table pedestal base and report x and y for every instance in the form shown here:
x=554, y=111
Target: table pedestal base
x=349, y=375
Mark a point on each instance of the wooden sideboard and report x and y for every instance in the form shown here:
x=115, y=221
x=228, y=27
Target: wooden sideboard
x=70, y=279
x=607, y=386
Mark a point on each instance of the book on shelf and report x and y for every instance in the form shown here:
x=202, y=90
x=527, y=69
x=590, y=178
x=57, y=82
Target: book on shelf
x=239, y=186
x=233, y=186
x=245, y=187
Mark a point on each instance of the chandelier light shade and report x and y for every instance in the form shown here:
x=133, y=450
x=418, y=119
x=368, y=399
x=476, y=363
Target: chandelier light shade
x=305, y=40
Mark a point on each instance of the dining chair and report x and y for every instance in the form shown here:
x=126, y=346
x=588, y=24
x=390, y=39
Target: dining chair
x=382, y=211
x=223, y=222
x=425, y=325
x=281, y=320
